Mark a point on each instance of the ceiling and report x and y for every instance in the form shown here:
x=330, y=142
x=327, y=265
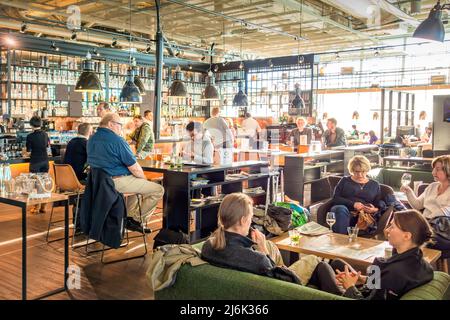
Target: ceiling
x=244, y=29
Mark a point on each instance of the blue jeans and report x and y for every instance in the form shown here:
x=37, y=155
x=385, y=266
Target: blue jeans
x=344, y=219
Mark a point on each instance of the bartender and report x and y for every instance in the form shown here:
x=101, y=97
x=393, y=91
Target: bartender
x=200, y=148
x=300, y=135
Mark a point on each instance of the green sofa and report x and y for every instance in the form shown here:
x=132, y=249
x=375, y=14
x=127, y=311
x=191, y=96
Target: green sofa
x=207, y=282
x=392, y=176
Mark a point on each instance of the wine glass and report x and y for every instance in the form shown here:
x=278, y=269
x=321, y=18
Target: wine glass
x=406, y=179
x=331, y=219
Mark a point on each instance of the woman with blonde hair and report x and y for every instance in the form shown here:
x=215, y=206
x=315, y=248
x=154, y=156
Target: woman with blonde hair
x=229, y=245
x=357, y=194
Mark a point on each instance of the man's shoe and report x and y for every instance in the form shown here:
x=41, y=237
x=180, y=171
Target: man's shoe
x=133, y=225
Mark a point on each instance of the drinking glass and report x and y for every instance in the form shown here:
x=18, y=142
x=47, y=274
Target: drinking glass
x=352, y=233
x=331, y=219
x=294, y=235
x=406, y=179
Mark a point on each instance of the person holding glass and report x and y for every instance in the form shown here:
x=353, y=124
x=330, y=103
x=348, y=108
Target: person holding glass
x=354, y=194
x=435, y=200
x=405, y=270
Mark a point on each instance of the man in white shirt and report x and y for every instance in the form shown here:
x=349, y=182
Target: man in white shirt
x=218, y=129
x=251, y=127
x=200, y=148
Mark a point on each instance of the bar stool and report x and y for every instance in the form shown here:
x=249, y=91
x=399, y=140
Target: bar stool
x=141, y=220
x=67, y=183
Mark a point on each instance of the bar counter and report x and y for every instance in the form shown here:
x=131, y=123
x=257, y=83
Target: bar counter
x=27, y=160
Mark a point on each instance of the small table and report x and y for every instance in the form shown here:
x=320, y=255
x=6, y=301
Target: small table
x=360, y=253
x=23, y=202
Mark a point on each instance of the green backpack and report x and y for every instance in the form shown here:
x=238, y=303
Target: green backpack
x=299, y=216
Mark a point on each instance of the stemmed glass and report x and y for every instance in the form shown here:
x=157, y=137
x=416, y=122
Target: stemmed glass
x=406, y=179
x=331, y=219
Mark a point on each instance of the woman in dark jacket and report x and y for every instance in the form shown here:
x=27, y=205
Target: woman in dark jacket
x=356, y=193
x=403, y=271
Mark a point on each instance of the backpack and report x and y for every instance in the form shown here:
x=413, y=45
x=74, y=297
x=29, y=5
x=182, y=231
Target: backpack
x=167, y=236
x=299, y=215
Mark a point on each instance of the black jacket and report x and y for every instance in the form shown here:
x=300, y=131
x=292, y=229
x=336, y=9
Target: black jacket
x=103, y=209
x=239, y=254
x=76, y=156
x=399, y=274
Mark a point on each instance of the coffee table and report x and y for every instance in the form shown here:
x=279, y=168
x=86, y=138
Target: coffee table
x=359, y=253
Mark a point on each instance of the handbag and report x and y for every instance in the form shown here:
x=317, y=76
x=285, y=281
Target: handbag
x=441, y=227
x=365, y=220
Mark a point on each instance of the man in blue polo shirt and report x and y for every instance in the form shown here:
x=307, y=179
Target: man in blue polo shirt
x=107, y=150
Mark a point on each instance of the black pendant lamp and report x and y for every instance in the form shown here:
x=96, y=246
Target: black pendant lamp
x=138, y=82
x=210, y=92
x=432, y=27
x=298, y=100
x=177, y=88
x=88, y=80
x=240, y=99
x=130, y=93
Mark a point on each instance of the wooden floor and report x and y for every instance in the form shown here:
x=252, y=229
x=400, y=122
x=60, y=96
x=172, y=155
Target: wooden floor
x=121, y=280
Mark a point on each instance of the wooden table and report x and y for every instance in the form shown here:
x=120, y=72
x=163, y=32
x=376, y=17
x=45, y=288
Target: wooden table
x=23, y=202
x=360, y=253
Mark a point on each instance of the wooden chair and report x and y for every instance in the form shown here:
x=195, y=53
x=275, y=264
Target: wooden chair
x=66, y=182
x=382, y=223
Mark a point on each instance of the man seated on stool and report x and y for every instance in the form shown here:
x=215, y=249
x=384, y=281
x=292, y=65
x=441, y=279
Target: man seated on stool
x=200, y=149
x=107, y=150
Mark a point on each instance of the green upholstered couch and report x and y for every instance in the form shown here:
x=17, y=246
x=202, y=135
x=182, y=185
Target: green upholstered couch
x=207, y=282
x=392, y=176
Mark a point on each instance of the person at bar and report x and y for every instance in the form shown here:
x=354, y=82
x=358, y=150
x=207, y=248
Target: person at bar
x=222, y=137
x=200, y=148
x=334, y=136
x=300, y=135
x=251, y=128
x=102, y=109
x=108, y=151
x=37, y=143
x=373, y=138
x=76, y=153
x=142, y=137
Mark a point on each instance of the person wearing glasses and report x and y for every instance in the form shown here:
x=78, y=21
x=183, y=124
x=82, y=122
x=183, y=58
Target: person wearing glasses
x=107, y=150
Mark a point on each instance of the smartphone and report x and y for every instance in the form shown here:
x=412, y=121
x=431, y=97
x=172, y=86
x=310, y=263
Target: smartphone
x=250, y=232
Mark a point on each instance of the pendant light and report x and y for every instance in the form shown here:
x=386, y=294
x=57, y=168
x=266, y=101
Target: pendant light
x=88, y=80
x=298, y=102
x=177, y=88
x=130, y=93
x=432, y=27
x=210, y=92
x=240, y=99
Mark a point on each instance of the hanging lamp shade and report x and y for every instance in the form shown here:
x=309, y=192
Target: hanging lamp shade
x=298, y=100
x=210, y=92
x=130, y=92
x=240, y=99
x=432, y=27
x=88, y=80
x=177, y=88
x=138, y=82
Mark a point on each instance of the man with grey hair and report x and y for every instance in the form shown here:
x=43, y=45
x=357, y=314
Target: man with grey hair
x=108, y=151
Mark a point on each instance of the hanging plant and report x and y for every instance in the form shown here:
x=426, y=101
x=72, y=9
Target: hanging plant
x=375, y=116
x=422, y=115
x=355, y=115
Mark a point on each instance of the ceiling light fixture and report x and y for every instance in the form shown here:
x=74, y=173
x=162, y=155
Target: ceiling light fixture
x=114, y=42
x=240, y=99
x=23, y=27
x=95, y=51
x=270, y=63
x=210, y=92
x=148, y=49
x=178, y=88
x=88, y=80
x=54, y=46
x=432, y=27
x=73, y=36
x=130, y=93
x=190, y=67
